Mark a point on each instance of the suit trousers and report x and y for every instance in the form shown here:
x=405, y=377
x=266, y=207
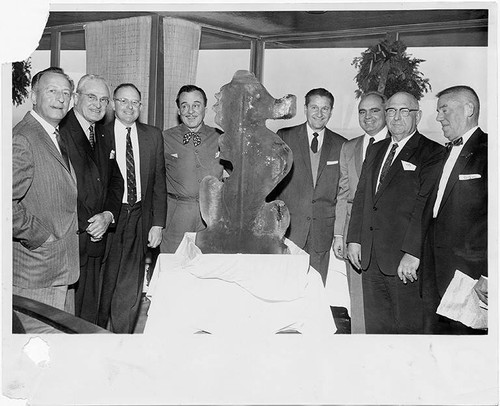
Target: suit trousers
x=354, y=280
x=391, y=307
x=123, y=277
x=60, y=297
x=318, y=260
x=87, y=287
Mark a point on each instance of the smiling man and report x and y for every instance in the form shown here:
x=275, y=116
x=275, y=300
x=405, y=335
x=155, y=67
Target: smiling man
x=371, y=117
x=139, y=154
x=457, y=211
x=44, y=196
x=310, y=188
x=191, y=153
x=99, y=184
x=385, y=235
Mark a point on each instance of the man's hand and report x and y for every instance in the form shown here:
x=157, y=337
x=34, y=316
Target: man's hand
x=354, y=254
x=407, y=269
x=98, y=225
x=481, y=288
x=338, y=246
x=154, y=236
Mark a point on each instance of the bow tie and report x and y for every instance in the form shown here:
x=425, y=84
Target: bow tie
x=195, y=136
x=455, y=143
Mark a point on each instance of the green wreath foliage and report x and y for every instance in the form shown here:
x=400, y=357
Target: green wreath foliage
x=21, y=79
x=388, y=69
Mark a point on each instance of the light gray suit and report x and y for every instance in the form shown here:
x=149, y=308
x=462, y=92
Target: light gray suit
x=44, y=199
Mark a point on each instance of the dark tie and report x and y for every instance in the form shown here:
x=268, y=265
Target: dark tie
x=195, y=136
x=370, y=144
x=387, y=164
x=314, y=143
x=92, y=136
x=455, y=143
x=62, y=148
x=131, y=188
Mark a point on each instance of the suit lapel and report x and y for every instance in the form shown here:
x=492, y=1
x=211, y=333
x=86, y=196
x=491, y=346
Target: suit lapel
x=303, y=142
x=462, y=160
x=325, y=153
x=144, y=147
x=358, y=155
x=80, y=138
x=396, y=167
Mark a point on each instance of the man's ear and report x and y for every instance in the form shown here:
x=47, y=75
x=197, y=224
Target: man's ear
x=33, y=97
x=469, y=109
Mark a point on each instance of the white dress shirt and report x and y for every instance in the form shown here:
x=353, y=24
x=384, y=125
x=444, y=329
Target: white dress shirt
x=321, y=136
x=121, y=151
x=49, y=128
x=448, y=167
x=381, y=135
x=84, y=124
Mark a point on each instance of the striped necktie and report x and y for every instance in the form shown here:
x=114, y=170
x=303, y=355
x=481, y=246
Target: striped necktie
x=62, y=148
x=131, y=185
x=92, y=136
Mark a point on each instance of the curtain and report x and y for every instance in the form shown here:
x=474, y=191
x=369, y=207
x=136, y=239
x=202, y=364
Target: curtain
x=181, y=42
x=119, y=50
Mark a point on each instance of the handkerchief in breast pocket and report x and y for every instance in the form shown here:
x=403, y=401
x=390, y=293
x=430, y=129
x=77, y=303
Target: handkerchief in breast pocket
x=174, y=155
x=332, y=162
x=408, y=166
x=469, y=176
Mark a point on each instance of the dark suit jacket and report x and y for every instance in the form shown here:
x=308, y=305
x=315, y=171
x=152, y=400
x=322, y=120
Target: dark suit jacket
x=461, y=225
x=153, y=185
x=99, y=182
x=43, y=204
x=312, y=209
x=390, y=221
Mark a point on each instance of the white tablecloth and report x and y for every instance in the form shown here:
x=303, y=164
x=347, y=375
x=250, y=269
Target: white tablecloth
x=236, y=293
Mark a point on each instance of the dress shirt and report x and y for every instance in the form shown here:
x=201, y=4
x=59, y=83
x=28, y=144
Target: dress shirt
x=321, y=136
x=187, y=165
x=49, y=128
x=401, y=145
x=121, y=151
x=84, y=124
x=381, y=135
x=448, y=166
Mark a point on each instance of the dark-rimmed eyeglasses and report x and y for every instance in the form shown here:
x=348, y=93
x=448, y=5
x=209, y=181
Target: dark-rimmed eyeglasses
x=123, y=102
x=404, y=112
x=94, y=99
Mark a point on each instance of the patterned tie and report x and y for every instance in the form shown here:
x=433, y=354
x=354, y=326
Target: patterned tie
x=455, y=143
x=370, y=144
x=131, y=187
x=62, y=148
x=387, y=164
x=92, y=136
x=314, y=143
x=195, y=136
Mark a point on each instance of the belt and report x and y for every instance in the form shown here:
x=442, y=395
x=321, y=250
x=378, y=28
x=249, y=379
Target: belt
x=183, y=198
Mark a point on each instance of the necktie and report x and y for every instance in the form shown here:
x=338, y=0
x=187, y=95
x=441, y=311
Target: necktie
x=62, y=148
x=455, y=143
x=387, y=164
x=92, y=136
x=314, y=143
x=195, y=136
x=131, y=188
x=370, y=144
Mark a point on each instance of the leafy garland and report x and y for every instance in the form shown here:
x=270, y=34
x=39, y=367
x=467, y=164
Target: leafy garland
x=21, y=78
x=388, y=69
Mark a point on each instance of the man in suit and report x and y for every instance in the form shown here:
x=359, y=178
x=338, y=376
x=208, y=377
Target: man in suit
x=371, y=117
x=457, y=211
x=385, y=232
x=139, y=154
x=191, y=153
x=99, y=184
x=310, y=188
x=44, y=217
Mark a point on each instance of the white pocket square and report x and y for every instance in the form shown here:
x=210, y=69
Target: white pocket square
x=175, y=155
x=469, y=177
x=408, y=166
x=332, y=162
x=112, y=154
x=217, y=154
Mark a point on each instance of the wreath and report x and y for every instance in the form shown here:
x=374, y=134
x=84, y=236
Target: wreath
x=388, y=69
x=21, y=79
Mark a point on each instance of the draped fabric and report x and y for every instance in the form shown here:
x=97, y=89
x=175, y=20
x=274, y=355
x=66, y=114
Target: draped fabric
x=181, y=41
x=119, y=50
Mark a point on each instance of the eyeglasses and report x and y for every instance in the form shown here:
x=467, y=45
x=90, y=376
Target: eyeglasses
x=404, y=112
x=123, y=102
x=371, y=111
x=93, y=98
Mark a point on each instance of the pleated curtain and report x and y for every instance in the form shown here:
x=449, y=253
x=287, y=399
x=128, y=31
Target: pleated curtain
x=181, y=42
x=119, y=50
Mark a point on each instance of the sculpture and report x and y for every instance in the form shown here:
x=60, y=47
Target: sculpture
x=238, y=218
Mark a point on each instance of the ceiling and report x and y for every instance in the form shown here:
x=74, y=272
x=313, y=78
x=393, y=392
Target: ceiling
x=303, y=29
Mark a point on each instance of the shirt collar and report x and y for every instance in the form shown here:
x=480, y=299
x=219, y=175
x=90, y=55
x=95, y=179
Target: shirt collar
x=468, y=134
x=83, y=122
x=403, y=142
x=382, y=134
x=186, y=130
x=49, y=128
x=122, y=127
x=310, y=132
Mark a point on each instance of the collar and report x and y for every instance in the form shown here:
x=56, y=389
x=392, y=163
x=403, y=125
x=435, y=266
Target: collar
x=185, y=129
x=468, y=134
x=403, y=142
x=49, y=128
x=85, y=124
x=122, y=128
x=310, y=132
x=381, y=135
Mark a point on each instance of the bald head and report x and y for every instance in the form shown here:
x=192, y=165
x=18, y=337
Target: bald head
x=402, y=113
